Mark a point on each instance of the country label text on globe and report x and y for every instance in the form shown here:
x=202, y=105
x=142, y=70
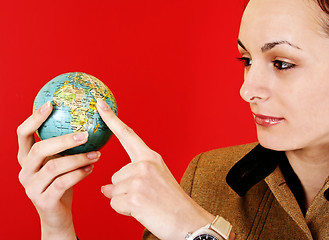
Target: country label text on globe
x=74, y=96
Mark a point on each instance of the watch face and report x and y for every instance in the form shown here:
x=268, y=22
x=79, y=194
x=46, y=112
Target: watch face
x=205, y=237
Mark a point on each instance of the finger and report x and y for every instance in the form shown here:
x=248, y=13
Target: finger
x=132, y=143
x=125, y=172
x=26, y=130
x=130, y=185
x=61, y=184
x=107, y=190
x=49, y=147
x=121, y=204
x=123, y=187
x=59, y=166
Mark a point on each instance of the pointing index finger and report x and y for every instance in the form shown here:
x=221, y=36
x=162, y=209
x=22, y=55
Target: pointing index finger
x=132, y=143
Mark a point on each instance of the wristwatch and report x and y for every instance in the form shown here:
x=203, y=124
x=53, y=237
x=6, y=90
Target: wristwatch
x=217, y=230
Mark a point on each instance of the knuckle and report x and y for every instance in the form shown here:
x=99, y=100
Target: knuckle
x=145, y=167
x=156, y=156
x=36, y=150
x=149, y=155
x=19, y=157
x=136, y=200
x=138, y=183
x=114, y=179
x=68, y=139
x=21, y=177
x=28, y=193
x=51, y=166
x=59, y=184
x=29, y=190
x=19, y=130
x=114, y=204
x=23, y=129
x=126, y=131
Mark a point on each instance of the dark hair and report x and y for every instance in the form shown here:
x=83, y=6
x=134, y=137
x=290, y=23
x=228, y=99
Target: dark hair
x=324, y=5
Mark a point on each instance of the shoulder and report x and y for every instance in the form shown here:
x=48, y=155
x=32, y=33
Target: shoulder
x=219, y=159
x=211, y=167
x=227, y=156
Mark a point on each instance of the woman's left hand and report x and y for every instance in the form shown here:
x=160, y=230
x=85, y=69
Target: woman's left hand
x=146, y=190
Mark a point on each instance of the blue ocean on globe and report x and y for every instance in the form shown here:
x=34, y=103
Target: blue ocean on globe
x=74, y=96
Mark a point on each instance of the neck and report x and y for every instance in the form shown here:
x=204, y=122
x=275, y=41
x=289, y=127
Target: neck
x=312, y=168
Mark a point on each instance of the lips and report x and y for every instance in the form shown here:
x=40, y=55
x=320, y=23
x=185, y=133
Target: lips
x=267, y=121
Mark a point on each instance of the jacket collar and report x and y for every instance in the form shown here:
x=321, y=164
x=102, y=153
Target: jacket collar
x=255, y=166
x=252, y=168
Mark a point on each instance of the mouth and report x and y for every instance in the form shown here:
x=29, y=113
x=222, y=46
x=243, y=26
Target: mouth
x=267, y=121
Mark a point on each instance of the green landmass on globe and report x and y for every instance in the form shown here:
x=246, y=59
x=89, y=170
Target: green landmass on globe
x=74, y=96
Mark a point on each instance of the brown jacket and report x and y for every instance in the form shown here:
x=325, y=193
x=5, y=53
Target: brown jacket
x=267, y=211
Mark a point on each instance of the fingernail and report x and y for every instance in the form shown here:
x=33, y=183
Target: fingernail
x=93, y=155
x=80, y=136
x=88, y=168
x=44, y=107
x=102, y=189
x=102, y=104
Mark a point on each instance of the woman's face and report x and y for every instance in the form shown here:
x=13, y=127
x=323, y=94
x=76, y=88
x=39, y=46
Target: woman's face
x=286, y=80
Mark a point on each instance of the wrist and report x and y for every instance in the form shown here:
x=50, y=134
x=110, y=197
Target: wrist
x=193, y=223
x=49, y=233
x=200, y=219
x=197, y=218
x=219, y=228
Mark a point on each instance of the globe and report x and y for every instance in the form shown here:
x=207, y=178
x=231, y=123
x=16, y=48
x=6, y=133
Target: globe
x=73, y=96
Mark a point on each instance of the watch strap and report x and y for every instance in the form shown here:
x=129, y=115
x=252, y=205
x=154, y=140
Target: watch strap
x=221, y=226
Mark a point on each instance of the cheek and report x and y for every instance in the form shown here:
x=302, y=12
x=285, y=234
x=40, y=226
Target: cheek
x=314, y=97
x=306, y=91
x=304, y=102
x=308, y=109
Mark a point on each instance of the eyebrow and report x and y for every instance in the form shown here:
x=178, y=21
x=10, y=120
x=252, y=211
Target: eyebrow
x=270, y=45
x=241, y=45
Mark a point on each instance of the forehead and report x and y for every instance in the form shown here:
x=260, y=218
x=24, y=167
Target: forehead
x=269, y=20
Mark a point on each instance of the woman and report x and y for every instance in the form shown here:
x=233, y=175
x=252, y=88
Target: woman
x=275, y=190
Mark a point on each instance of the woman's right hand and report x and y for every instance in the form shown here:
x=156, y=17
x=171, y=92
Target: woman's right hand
x=48, y=177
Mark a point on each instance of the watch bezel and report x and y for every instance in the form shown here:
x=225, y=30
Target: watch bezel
x=204, y=230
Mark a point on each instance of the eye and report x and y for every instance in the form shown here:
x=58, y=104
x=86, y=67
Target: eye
x=281, y=65
x=247, y=61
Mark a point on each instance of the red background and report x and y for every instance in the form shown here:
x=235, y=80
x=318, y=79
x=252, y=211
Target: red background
x=170, y=64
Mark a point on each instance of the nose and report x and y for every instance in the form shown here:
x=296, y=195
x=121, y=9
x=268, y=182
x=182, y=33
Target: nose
x=256, y=86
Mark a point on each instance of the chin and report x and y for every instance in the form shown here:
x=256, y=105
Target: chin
x=275, y=142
